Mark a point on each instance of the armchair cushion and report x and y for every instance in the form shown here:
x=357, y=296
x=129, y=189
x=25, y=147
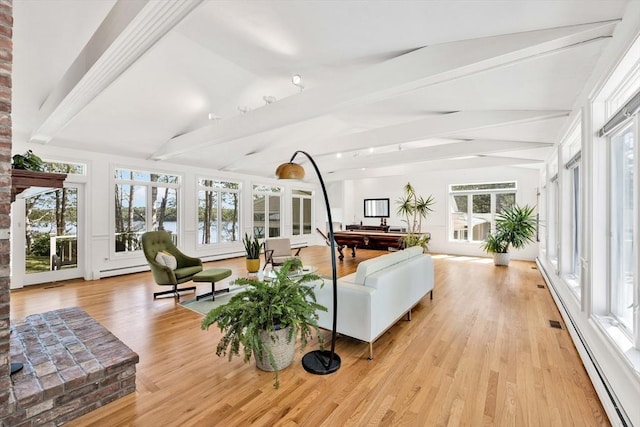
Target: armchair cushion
x=167, y=259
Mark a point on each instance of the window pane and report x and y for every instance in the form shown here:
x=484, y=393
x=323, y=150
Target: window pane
x=229, y=215
x=59, y=167
x=576, y=215
x=481, y=219
x=459, y=223
x=306, y=216
x=488, y=186
x=259, y=215
x=295, y=215
x=622, y=213
x=130, y=216
x=207, y=217
x=51, y=223
x=164, y=213
x=274, y=216
x=505, y=200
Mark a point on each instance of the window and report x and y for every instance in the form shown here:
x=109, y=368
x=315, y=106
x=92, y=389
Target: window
x=218, y=211
x=623, y=214
x=65, y=167
x=144, y=201
x=266, y=211
x=301, y=209
x=474, y=206
x=553, y=210
x=572, y=209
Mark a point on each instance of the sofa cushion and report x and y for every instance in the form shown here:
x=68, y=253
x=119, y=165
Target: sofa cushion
x=370, y=266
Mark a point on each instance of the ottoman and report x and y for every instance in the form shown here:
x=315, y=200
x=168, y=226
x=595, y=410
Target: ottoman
x=212, y=275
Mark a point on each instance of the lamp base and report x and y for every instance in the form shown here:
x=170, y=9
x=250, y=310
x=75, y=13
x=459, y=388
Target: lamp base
x=317, y=362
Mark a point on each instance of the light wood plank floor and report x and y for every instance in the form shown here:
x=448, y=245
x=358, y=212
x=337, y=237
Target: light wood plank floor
x=480, y=353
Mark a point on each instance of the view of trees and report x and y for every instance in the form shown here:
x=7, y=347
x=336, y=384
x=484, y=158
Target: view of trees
x=51, y=214
x=218, y=212
x=131, y=210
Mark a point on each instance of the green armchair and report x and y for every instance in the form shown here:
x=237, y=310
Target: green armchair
x=186, y=267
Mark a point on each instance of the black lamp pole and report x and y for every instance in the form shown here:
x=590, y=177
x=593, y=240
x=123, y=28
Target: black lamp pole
x=322, y=362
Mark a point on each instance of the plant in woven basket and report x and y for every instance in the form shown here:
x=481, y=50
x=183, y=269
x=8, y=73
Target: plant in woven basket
x=252, y=320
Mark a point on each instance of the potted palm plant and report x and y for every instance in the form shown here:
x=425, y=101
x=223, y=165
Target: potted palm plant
x=414, y=208
x=252, y=249
x=515, y=227
x=265, y=319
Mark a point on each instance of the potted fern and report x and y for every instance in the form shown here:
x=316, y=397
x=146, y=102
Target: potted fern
x=252, y=249
x=515, y=227
x=265, y=319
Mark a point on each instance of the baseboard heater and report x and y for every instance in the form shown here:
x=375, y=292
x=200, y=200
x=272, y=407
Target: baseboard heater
x=622, y=416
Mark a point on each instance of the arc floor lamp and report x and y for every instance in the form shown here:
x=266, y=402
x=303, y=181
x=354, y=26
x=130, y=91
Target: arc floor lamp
x=318, y=362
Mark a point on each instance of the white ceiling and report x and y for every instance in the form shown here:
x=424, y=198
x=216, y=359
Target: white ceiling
x=393, y=86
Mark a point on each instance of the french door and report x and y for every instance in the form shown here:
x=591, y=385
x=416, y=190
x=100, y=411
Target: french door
x=47, y=239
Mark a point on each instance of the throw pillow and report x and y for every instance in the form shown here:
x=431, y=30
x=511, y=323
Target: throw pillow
x=167, y=259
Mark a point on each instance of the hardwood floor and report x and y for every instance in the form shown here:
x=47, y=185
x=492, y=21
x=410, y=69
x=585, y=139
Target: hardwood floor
x=480, y=353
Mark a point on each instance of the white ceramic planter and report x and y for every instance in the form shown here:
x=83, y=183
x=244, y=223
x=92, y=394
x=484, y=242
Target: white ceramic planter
x=501, y=259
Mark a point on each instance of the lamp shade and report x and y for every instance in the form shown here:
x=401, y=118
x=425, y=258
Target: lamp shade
x=290, y=171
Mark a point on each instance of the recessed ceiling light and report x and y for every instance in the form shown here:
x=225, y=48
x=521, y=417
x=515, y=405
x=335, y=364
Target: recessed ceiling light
x=338, y=155
x=371, y=150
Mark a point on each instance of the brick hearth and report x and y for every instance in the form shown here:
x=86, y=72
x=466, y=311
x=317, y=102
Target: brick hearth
x=72, y=365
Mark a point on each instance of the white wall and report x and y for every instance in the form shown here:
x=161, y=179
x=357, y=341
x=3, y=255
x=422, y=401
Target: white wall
x=437, y=184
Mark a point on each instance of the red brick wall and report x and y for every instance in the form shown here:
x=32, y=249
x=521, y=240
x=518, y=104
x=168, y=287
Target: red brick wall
x=6, y=59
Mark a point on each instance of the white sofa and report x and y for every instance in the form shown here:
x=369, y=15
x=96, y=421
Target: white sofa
x=378, y=294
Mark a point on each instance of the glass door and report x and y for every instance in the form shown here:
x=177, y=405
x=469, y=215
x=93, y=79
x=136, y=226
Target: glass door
x=52, y=235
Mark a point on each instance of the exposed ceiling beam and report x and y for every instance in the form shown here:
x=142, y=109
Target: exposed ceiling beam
x=429, y=166
x=422, y=67
x=130, y=29
x=430, y=127
x=437, y=152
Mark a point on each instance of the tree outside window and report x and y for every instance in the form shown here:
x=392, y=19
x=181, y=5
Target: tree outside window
x=218, y=211
x=144, y=201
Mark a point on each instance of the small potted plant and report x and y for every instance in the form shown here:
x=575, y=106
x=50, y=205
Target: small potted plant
x=515, y=226
x=265, y=319
x=252, y=249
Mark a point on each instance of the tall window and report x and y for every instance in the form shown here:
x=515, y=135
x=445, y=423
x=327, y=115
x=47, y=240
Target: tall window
x=624, y=219
x=301, y=202
x=144, y=201
x=218, y=211
x=266, y=211
x=474, y=206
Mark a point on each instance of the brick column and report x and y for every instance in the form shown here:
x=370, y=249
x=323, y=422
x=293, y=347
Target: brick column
x=6, y=59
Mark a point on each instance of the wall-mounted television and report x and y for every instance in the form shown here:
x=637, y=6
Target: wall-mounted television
x=376, y=208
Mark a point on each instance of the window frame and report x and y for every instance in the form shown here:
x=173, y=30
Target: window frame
x=510, y=187
x=267, y=191
x=218, y=190
x=302, y=197
x=148, y=185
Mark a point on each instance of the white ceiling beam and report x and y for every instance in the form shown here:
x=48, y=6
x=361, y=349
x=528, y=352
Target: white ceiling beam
x=419, y=68
x=430, y=127
x=429, y=166
x=437, y=152
x=130, y=29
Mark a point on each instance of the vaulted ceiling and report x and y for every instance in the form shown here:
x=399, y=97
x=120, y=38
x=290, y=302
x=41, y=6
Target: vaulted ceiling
x=388, y=87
